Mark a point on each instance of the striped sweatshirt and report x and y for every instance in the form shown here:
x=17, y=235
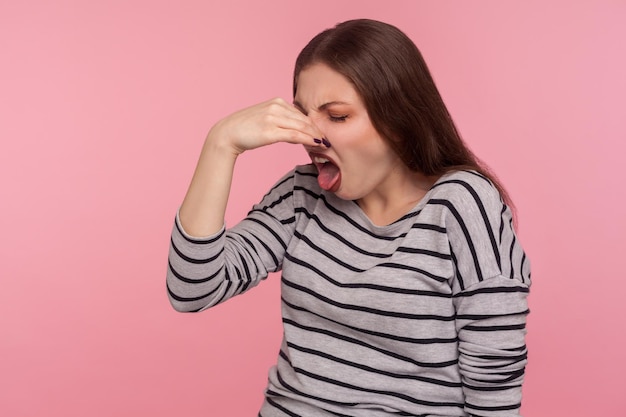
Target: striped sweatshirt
x=422, y=317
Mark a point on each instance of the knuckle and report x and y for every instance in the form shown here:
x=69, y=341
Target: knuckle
x=267, y=118
x=296, y=136
x=304, y=126
x=276, y=104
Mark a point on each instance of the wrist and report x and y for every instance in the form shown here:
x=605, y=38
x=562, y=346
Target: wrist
x=217, y=143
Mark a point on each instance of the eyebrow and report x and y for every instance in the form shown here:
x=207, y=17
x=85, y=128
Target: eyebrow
x=320, y=108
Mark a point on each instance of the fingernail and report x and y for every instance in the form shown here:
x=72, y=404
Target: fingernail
x=316, y=140
x=326, y=142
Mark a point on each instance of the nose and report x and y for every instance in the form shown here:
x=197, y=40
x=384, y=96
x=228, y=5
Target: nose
x=321, y=134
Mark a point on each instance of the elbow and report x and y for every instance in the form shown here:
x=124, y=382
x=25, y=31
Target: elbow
x=186, y=299
x=183, y=304
x=187, y=295
x=182, y=307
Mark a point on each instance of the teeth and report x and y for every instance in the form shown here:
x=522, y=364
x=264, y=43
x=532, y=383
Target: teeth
x=320, y=160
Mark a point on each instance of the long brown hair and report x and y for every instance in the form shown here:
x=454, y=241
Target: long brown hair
x=400, y=95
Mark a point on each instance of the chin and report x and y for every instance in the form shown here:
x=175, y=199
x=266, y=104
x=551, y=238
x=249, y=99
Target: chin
x=347, y=195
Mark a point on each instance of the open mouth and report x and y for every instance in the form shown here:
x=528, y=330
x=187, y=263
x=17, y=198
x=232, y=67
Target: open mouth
x=329, y=175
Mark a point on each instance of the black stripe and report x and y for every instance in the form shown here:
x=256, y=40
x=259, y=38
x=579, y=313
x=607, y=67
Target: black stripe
x=366, y=345
x=311, y=268
x=197, y=241
x=281, y=408
x=341, y=238
x=479, y=175
x=521, y=269
x=483, y=213
x=489, y=316
x=247, y=274
x=268, y=250
x=344, y=216
x=499, y=408
x=466, y=233
x=191, y=280
x=495, y=328
x=376, y=287
x=238, y=273
x=303, y=394
x=378, y=334
x=191, y=260
x=378, y=255
x=189, y=299
x=508, y=377
x=376, y=391
x=492, y=388
x=290, y=220
x=492, y=290
x=428, y=226
x=291, y=413
x=277, y=201
x=308, y=174
x=269, y=229
x=373, y=370
x=512, y=273
x=278, y=185
x=365, y=309
x=502, y=223
x=229, y=284
x=426, y=252
x=458, y=275
x=515, y=349
x=326, y=254
x=250, y=246
x=408, y=216
x=414, y=269
x=509, y=359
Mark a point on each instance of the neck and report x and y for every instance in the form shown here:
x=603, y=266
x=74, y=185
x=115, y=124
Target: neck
x=396, y=197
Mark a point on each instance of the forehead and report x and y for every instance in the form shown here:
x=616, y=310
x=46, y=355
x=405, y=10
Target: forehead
x=319, y=84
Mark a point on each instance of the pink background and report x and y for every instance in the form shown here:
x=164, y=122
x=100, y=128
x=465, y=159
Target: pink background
x=104, y=107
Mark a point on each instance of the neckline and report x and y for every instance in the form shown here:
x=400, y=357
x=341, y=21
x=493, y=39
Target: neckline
x=398, y=223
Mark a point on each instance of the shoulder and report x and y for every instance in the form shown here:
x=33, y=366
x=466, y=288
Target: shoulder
x=298, y=177
x=292, y=188
x=480, y=229
x=305, y=176
x=467, y=192
x=305, y=186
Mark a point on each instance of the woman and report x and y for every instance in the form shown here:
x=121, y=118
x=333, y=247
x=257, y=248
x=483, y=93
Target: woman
x=403, y=285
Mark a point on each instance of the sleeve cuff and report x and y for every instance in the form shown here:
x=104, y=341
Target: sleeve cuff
x=197, y=239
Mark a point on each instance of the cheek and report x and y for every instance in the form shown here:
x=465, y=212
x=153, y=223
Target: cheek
x=349, y=135
x=356, y=140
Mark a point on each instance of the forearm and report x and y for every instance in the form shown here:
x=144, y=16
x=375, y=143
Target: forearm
x=203, y=208
x=491, y=317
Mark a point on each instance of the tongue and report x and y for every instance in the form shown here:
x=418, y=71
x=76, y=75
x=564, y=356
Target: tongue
x=329, y=176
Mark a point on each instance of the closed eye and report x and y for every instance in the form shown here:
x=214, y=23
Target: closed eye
x=338, y=118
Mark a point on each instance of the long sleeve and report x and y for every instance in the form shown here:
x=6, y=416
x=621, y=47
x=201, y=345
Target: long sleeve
x=490, y=287
x=204, y=272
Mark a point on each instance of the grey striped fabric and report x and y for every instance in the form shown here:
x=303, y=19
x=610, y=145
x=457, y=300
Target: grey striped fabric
x=423, y=317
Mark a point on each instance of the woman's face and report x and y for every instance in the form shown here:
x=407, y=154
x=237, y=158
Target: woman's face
x=359, y=162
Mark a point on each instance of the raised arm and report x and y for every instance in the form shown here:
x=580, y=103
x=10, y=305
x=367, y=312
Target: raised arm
x=206, y=266
x=202, y=211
